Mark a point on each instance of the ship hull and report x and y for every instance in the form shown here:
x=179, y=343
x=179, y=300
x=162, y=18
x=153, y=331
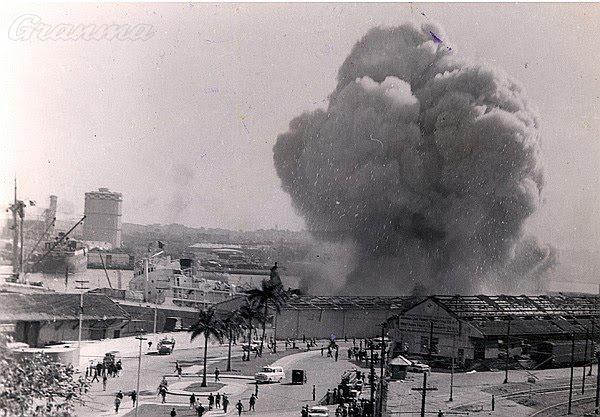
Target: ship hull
x=60, y=263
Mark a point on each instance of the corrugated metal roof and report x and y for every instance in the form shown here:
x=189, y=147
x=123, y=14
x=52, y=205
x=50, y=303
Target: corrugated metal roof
x=310, y=302
x=57, y=306
x=307, y=302
x=510, y=306
x=528, y=315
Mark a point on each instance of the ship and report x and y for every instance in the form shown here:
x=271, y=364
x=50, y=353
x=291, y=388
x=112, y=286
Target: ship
x=62, y=255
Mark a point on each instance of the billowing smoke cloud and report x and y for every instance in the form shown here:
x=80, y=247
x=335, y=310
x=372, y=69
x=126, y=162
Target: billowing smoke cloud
x=428, y=163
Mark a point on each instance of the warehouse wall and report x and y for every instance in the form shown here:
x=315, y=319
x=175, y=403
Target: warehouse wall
x=412, y=331
x=322, y=323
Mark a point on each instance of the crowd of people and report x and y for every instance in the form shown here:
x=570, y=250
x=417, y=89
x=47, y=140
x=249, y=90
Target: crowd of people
x=108, y=367
x=218, y=401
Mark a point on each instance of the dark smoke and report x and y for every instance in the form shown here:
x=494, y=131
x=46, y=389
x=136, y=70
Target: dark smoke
x=429, y=164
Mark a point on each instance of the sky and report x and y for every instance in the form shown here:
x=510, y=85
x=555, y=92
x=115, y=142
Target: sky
x=183, y=123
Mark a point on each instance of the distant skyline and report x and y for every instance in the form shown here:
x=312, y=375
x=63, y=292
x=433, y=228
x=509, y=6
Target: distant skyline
x=183, y=123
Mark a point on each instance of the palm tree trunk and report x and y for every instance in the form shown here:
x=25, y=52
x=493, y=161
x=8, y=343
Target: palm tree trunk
x=264, y=325
x=229, y=352
x=204, y=366
x=275, y=333
x=249, y=339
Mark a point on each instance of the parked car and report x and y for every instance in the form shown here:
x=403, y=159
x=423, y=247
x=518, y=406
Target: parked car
x=254, y=346
x=270, y=374
x=166, y=346
x=318, y=411
x=418, y=367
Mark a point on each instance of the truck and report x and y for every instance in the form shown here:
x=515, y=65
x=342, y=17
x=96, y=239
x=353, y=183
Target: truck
x=166, y=346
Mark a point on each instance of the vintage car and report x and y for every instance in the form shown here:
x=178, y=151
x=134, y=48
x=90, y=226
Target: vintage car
x=270, y=374
x=318, y=411
x=418, y=367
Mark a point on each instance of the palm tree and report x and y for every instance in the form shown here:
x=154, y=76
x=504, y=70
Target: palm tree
x=249, y=313
x=270, y=294
x=207, y=325
x=232, y=326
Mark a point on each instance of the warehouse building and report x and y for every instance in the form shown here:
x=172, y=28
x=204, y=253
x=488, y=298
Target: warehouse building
x=478, y=328
x=324, y=316
x=40, y=319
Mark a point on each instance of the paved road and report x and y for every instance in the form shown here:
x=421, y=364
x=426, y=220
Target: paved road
x=153, y=368
x=285, y=400
x=275, y=400
x=471, y=392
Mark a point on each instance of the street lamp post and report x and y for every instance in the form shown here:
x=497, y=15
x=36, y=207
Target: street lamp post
x=137, y=389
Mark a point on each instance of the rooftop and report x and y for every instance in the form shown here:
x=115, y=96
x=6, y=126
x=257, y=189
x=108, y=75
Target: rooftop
x=338, y=302
x=526, y=315
x=57, y=306
x=512, y=306
x=214, y=246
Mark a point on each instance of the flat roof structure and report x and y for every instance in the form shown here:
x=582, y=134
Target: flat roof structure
x=340, y=302
x=333, y=302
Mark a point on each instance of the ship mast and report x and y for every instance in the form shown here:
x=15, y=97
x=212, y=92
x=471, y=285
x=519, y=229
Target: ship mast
x=17, y=209
x=15, y=228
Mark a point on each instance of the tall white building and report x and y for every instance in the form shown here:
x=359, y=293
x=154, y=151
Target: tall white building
x=103, y=216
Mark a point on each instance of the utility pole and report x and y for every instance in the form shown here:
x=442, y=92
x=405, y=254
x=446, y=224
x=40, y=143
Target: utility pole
x=155, y=316
x=452, y=368
x=507, y=352
x=80, y=285
x=591, y=347
x=382, y=369
x=571, y=378
x=431, y=340
x=146, y=279
x=137, y=390
x=372, y=379
x=80, y=324
x=597, y=410
x=585, y=356
x=424, y=392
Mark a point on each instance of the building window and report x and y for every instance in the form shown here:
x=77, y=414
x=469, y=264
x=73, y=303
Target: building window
x=425, y=348
x=434, y=345
x=424, y=344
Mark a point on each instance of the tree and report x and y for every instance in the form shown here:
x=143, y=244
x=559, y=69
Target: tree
x=270, y=294
x=249, y=313
x=35, y=385
x=232, y=326
x=207, y=325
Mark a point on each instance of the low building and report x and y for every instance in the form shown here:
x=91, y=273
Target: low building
x=342, y=316
x=325, y=316
x=479, y=328
x=40, y=319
